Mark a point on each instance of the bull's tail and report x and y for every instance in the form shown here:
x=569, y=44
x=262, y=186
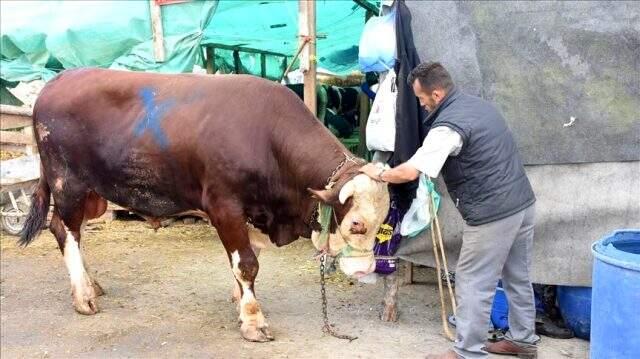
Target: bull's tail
x=37, y=213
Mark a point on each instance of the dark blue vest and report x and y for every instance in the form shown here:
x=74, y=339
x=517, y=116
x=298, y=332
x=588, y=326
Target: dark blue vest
x=486, y=179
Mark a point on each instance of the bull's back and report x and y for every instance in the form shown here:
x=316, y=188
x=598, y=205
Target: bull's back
x=150, y=142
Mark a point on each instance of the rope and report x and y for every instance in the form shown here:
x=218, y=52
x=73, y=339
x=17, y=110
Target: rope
x=438, y=246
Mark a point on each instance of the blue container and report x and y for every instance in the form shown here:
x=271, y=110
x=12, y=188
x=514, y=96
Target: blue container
x=615, y=309
x=500, y=309
x=575, y=306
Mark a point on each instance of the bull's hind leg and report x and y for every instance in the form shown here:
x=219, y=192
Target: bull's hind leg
x=70, y=215
x=232, y=229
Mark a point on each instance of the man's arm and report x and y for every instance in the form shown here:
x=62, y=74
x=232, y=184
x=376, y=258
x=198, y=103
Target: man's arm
x=429, y=159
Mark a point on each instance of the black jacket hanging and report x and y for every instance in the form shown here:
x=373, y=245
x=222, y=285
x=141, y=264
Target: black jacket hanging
x=410, y=131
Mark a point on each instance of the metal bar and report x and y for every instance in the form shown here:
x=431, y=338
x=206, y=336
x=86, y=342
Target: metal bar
x=295, y=57
x=236, y=61
x=263, y=65
x=244, y=49
x=12, y=214
x=211, y=60
x=24, y=197
x=367, y=6
x=13, y=200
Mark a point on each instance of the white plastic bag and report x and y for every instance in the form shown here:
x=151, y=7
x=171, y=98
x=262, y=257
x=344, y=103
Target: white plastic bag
x=377, y=50
x=418, y=217
x=381, y=125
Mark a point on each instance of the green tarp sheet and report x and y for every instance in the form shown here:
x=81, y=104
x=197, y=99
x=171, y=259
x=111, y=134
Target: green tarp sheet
x=39, y=38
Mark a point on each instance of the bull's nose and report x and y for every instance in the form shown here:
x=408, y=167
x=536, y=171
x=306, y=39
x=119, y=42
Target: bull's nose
x=357, y=228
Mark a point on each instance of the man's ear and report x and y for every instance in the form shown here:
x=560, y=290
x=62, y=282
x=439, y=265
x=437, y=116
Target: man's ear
x=438, y=94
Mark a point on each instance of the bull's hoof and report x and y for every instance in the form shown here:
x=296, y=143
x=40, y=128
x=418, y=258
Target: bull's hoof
x=86, y=307
x=85, y=302
x=97, y=289
x=389, y=314
x=254, y=334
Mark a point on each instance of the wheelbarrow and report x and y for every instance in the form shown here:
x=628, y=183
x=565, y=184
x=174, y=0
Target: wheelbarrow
x=18, y=179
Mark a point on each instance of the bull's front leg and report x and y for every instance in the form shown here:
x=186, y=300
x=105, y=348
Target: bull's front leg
x=258, y=241
x=254, y=327
x=244, y=265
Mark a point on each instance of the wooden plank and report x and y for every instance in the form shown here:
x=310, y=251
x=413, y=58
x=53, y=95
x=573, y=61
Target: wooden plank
x=16, y=110
x=13, y=147
x=156, y=29
x=12, y=121
x=307, y=29
x=16, y=138
x=407, y=272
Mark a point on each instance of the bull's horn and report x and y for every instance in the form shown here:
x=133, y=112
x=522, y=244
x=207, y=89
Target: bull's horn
x=347, y=191
x=325, y=195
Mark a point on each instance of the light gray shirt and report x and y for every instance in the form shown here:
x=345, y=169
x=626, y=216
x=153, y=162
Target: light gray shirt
x=440, y=143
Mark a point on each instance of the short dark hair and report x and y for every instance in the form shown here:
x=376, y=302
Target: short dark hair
x=432, y=75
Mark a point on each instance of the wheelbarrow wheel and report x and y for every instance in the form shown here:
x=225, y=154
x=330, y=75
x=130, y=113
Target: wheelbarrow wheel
x=14, y=221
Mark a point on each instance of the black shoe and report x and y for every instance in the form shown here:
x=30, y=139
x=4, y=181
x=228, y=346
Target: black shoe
x=546, y=327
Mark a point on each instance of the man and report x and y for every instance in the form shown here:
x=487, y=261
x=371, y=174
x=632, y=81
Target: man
x=472, y=145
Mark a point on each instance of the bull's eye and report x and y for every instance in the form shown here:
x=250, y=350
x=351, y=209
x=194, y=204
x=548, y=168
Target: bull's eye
x=355, y=223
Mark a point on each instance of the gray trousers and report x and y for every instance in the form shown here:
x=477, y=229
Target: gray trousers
x=500, y=249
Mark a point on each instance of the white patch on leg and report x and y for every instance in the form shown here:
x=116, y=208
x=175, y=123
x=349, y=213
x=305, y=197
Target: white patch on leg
x=250, y=312
x=73, y=260
x=82, y=288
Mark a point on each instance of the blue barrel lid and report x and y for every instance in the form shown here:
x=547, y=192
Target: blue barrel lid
x=606, y=250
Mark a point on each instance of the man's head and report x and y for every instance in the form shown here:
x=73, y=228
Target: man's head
x=431, y=83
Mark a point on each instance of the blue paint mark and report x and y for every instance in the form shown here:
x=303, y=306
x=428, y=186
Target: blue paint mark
x=152, y=118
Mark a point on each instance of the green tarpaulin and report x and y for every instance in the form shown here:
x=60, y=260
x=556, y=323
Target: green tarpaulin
x=39, y=38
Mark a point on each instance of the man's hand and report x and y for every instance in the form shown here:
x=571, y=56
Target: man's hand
x=401, y=174
x=372, y=171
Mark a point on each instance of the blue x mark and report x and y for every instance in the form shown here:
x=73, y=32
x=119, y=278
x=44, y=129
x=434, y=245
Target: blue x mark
x=152, y=117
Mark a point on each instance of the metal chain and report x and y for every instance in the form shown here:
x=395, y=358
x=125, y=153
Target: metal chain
x=347, y=158
x=328, y=183
x=327, y=327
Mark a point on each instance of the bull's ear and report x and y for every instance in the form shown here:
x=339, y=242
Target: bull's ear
x=325, y=195
x=346, y=191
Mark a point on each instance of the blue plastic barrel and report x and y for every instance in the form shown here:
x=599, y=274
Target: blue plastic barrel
x=615, y=303
x=575, y=306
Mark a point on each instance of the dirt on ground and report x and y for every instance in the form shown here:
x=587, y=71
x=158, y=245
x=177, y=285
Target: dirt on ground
x=167, y=295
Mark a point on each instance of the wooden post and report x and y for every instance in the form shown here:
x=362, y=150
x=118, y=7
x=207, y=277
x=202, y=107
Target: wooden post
x=307, y=29
x=211, y=60
x=407, y=272
x=263, y=65
x=156, y=29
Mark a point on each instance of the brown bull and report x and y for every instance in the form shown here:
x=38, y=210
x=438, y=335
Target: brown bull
x=235, y=149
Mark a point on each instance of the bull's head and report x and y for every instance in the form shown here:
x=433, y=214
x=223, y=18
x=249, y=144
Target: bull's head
x=360, y=205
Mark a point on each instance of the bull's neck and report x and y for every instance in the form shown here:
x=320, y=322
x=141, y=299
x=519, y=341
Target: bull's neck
x=310, y=158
